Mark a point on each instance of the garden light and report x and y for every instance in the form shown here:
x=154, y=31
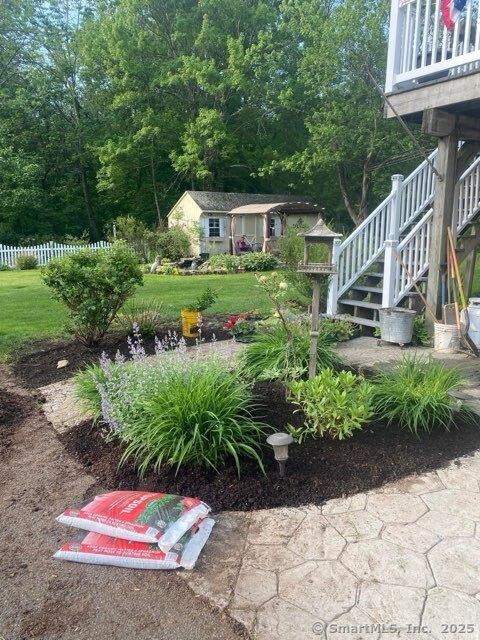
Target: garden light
x=279, y=442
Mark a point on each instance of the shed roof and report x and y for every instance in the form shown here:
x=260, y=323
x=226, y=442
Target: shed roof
x=225, y=201
x=289, y=206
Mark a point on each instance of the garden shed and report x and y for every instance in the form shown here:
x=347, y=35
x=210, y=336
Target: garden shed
x=222, y=218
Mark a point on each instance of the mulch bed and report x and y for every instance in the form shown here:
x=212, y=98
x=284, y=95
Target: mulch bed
x=13, y=409
x=316, y=471
x=37, y=366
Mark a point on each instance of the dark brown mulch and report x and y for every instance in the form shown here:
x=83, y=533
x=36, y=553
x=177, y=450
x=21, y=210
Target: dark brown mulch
x=316, y=471
x=37, y=366
x=13, y=409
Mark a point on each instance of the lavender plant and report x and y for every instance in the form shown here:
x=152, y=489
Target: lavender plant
x=175, y=409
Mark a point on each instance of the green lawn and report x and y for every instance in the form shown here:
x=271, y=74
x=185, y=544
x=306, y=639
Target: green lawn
x=27, y=311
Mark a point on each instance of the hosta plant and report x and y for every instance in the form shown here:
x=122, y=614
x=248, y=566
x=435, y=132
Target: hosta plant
x=334, y=404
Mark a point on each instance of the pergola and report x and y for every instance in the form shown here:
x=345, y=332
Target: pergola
x=282, y=209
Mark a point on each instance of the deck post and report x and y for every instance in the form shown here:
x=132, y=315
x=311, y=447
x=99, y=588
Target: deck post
x=390, y=264
x=470, y=262
x=332, y=300
x=443, y=211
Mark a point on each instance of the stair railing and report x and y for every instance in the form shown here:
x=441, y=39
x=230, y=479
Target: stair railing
x=366, y=244
x=413, y=251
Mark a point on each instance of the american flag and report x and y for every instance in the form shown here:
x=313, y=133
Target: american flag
x=451, y=11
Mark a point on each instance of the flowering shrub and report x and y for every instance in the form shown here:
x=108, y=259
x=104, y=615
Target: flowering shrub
x=174, y=410
x=333, y=404
x=93, y=285
x=241, y=327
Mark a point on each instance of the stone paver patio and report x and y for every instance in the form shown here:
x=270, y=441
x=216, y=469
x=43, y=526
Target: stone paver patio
x=401, y=561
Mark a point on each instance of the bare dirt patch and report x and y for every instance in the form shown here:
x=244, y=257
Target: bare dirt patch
x=45, y=599
x=36, y=366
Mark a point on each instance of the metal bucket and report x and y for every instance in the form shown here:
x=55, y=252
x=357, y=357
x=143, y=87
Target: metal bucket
x=396, y=325
x=471, y=320
x=446, y=338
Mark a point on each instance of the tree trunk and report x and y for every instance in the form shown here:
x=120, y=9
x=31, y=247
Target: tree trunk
x=154, y=184
x=92, y=223
x=360, y=212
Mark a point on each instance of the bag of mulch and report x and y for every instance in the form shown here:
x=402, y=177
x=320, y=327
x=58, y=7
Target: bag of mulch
x=97, y=548
x=160, y=518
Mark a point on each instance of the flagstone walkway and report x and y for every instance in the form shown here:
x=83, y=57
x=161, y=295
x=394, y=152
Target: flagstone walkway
x=402, y=561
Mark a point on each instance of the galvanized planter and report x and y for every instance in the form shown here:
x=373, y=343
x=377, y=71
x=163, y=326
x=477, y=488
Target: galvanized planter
x=396, y=325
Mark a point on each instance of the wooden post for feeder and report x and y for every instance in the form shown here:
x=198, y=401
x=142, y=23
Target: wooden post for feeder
x=312, y=364
x=319, y=234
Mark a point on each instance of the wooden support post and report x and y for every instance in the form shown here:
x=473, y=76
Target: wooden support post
x=332, y=299
x=312, y=365
x=443, y=205
x=470, y=262
x=390, y=264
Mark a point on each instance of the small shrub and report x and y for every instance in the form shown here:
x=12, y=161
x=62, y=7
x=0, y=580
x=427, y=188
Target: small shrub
x=174, y=243
x=93, y=285
x=135, y=233
x=26, y=261
x=205, y=300
x=168, y=269
x=274, y=355
x=336, y=330
x=175, y=410
x=420, y=332
x=333, y=404
x=144, y=317
x=4, y=267
x=223, y=261
x=416, y=394
x=258, y=261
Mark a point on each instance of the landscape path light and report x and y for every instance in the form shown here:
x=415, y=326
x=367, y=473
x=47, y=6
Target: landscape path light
x=279, y=443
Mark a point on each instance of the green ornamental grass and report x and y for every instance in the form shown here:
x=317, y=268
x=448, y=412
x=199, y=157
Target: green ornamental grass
x=176, y=411
x=273, y=356
x=416, y=394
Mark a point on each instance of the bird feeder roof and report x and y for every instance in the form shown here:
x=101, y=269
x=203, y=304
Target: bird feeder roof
x=320, y=231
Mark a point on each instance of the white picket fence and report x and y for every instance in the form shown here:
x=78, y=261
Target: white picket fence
x=45, y=252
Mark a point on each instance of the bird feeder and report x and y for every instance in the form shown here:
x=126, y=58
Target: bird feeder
x=319, y=235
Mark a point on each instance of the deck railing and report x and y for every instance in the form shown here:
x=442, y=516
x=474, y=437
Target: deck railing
x=422, y=48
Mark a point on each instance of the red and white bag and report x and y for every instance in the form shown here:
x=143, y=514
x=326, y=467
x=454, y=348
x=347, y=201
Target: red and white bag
x=96, y=548
x=159, y=518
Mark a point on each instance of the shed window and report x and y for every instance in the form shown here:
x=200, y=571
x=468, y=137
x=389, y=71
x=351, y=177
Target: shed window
x=214, y=227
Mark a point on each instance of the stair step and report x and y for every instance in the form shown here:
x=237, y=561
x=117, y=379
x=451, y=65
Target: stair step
x=356, y=320
x=360, y=303
x=373, y=274
x=361, y=287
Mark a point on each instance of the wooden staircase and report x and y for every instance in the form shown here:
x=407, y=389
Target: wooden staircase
x=384, y=261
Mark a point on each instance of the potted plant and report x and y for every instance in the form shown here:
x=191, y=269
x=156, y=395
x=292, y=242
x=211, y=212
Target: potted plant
x=192, y=315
